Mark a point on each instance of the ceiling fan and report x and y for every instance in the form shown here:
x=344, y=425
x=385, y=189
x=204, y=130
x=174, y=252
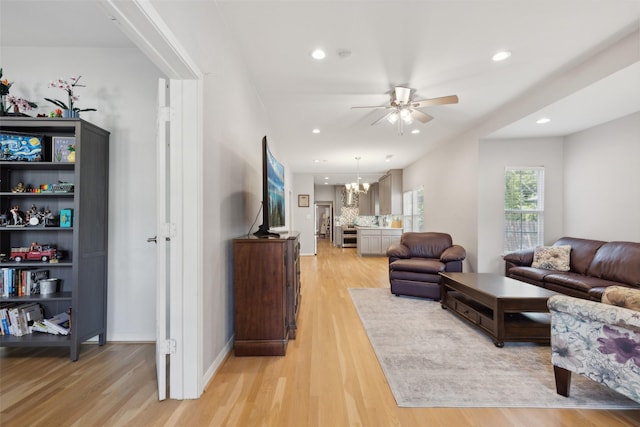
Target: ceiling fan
x=404, y=109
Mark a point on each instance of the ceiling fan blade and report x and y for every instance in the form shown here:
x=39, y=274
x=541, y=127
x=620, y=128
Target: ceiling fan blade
x=451, y=99
x=403, y=94
x=420, y=116
x=374, y=106
x=382, y=118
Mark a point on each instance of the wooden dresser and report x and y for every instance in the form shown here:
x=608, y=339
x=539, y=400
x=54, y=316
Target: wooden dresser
x=266, y=293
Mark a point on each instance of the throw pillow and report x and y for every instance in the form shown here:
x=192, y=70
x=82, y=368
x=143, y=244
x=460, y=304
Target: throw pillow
x=552, y=257
x=622, y=297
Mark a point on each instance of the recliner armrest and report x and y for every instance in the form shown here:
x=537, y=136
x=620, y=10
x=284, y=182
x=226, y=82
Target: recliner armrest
x=398, y=251
x=453, y=253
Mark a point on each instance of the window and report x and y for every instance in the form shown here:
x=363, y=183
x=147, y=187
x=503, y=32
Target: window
x=523, y=208
x=413, y=210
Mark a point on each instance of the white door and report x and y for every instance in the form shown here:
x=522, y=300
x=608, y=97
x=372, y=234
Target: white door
x=178, y=277
x=162, y=239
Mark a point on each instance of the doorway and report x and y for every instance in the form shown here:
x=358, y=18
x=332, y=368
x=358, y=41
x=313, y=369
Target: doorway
x=324, y=220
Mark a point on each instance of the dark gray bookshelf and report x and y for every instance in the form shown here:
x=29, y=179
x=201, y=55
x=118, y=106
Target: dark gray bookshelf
x=83, y=269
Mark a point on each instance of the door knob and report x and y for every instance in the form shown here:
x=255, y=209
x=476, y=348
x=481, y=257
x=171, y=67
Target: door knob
x=152, y=239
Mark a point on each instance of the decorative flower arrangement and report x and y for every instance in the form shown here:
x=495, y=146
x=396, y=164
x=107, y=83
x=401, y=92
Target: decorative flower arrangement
x=68, y=86
x=15, y=104
x=4, y=85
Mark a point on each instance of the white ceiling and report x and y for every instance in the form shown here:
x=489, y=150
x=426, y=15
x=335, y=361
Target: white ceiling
x=437, y=47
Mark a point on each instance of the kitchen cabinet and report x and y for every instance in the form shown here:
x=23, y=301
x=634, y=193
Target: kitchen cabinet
x=374, y=241
x=389, y=237
x=368, y=203
x=390, y=193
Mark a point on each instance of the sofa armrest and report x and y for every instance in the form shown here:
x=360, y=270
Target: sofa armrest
x=398, y=251
x=593, y=311
x=520, y=258
x=453, y=253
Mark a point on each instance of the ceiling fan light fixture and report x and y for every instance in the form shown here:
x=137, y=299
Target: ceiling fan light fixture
x=393, y=117
x=402, y=94
x=406, y=117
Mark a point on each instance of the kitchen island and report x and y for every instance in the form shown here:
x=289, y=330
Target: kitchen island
x=374, y=241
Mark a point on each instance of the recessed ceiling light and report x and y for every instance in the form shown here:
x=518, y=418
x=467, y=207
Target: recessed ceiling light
x=326, y=177
x=415, y=131
x=318, y=54
x=326, y=183
x=543, y=120
x=316, y=130
x=388, y=158
x=501, y=56
x=316, y=161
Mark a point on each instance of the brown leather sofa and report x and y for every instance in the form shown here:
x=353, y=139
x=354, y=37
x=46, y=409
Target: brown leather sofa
x=414, y=264
x=594, y=265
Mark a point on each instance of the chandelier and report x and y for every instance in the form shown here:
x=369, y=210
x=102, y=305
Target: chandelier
x=356, y=188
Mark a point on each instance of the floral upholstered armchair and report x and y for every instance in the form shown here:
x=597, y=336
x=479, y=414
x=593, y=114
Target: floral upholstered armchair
x=599, y=341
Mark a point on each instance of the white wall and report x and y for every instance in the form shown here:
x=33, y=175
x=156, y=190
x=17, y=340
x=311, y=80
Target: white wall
x=449, y=176
x=494, y=156
x=121, y=84
x=324, y=193
x=450, y=173
x=234, y=123
x=303, y=218
x=602, y=181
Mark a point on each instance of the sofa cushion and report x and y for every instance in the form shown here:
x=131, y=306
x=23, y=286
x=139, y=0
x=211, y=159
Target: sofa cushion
x=418, y=265
x=536, y=274
x=412, y=276
x=576, y=281
x=622, y=297
x=552, y=257
x=582, y=252
x=427, y=244
x=618, y=262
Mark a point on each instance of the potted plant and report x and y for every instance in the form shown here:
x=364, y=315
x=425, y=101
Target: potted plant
x=68, y=110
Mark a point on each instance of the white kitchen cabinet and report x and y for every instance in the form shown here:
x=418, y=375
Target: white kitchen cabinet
x=375, y=241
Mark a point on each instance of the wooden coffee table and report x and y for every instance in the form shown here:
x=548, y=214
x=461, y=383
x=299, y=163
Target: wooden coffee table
x=504, y=308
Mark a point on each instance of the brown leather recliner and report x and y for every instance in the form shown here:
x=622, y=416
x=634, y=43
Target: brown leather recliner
x=414, y=264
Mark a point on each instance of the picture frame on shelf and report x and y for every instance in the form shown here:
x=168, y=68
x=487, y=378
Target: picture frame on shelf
x=20, y=147
x=303, y=200
x=66, y=218
x=64, y=149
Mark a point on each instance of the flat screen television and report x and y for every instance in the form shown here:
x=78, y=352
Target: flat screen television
x=273, y=206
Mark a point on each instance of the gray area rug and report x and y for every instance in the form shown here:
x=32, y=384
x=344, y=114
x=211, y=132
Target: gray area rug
x=432, y=358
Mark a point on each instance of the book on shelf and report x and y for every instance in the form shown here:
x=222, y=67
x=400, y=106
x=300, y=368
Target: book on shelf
x=58, y=324
x=17, y=282
x=18, y=319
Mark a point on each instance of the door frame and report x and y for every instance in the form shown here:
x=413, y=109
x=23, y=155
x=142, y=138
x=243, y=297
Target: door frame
x=144, y=27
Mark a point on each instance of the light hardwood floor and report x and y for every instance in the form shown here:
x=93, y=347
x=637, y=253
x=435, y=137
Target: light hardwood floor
x=329, y=377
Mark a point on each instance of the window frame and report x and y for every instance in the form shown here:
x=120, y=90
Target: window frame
x=413, y=210
x=523, y=233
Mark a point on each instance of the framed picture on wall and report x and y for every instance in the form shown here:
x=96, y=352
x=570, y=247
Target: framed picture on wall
x=303, y=200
